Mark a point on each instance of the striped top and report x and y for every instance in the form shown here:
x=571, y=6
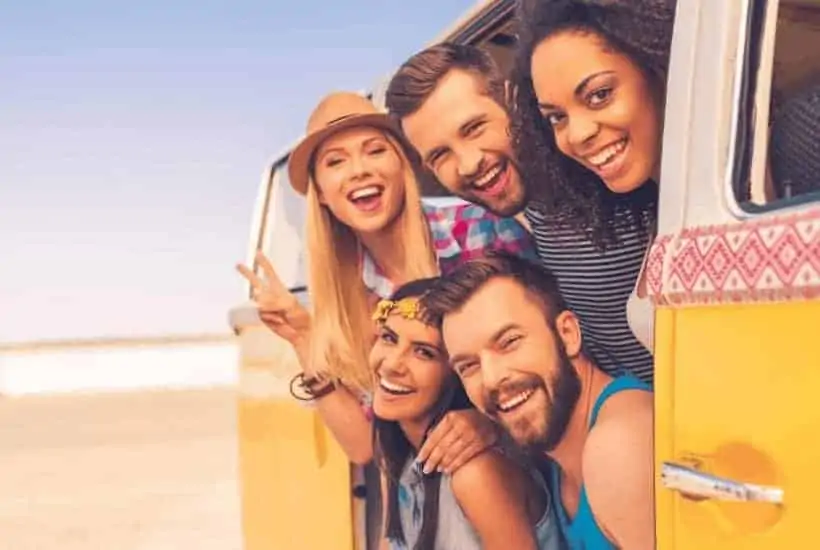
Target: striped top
x=596, y=285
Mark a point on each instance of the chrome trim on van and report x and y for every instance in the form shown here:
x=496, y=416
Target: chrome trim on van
x=730, y=169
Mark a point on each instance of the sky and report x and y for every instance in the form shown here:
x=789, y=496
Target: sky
x=133, y=137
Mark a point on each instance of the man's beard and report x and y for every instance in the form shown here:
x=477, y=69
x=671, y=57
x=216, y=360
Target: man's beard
x=560, y=404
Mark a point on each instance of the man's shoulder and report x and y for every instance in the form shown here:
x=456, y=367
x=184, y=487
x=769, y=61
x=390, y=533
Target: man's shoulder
x=621, y=440
x=628, y=413
x=617, y=465
x=446, y=213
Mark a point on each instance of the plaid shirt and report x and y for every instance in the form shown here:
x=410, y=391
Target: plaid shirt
x=460, y=233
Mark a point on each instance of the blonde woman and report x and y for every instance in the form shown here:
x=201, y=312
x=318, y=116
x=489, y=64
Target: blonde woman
x=368, y=233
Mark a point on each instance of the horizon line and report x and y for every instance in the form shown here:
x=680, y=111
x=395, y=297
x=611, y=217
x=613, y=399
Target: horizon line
x=116, y=341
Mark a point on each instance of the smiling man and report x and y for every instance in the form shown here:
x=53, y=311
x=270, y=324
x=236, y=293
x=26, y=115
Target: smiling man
x=519, y=352
x=450, y=103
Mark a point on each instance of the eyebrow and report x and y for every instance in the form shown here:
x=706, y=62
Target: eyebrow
x=495, y=337
x=413, y=342
x=579, y=88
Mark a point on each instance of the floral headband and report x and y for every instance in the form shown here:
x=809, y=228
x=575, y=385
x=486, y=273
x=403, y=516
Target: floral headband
x=409, y=308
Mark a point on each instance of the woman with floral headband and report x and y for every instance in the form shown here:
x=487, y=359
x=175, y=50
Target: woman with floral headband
x=368, y=232
x=491, y=502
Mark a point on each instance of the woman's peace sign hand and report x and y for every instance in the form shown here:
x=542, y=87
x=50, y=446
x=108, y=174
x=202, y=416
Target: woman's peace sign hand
x=278, y=307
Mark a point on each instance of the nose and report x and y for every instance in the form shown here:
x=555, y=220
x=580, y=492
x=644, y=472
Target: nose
x=469, y=161
x=493, y=371
x=391, y=362
x=581, y=129
x=359, y=167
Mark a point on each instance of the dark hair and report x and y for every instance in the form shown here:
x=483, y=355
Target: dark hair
x=392, y=449
x=641, y=30
x=418, y=77
x=452, y=291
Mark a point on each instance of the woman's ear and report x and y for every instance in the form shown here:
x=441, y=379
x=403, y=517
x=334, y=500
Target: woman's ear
x=568, y=329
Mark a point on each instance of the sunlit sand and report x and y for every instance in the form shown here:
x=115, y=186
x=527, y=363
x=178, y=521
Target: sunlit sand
x=129, y=471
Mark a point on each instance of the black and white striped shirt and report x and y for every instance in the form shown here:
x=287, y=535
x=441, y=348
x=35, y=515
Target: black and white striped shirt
x=596, y=285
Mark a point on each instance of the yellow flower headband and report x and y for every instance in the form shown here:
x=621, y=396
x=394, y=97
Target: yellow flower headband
x=409, y=308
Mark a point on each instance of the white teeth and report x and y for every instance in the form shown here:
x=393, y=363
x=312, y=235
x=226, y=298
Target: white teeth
x=487, y=177
x=392, y=387
x=607, y=154
x=513, y=402
x=365, y=192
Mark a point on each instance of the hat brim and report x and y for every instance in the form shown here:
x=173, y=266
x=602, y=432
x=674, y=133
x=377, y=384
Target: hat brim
x=301, y=156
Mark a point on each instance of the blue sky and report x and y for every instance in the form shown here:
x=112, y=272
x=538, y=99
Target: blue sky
x=132, y=140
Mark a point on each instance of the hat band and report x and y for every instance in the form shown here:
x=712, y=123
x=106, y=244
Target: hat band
x=339, y=119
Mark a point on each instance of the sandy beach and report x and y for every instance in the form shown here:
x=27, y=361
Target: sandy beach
x=126, y=471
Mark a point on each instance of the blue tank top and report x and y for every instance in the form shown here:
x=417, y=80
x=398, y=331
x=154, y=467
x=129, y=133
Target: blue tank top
x=582, y=532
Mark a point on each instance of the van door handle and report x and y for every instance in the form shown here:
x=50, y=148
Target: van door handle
x=696, y=485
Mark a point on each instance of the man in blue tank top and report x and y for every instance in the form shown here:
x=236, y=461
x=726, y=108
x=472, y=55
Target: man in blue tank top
x=519, y=352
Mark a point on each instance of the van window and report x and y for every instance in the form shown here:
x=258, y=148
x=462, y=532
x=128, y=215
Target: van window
x=777, y=149
x=282, y=236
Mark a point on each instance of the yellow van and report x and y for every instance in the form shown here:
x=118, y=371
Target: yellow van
x=734, y=272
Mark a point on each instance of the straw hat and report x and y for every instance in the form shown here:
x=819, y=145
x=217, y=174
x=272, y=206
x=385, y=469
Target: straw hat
x=336, y=112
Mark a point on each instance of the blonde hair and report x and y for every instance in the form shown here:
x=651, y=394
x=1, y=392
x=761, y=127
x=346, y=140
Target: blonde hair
x=342, y=330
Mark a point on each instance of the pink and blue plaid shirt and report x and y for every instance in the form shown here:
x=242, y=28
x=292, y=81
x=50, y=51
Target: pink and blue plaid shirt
x=460, y=233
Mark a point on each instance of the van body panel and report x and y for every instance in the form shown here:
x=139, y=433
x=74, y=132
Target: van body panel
x=737, y=377
x=295, y=479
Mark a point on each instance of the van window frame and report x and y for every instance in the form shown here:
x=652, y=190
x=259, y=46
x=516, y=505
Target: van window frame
x=265, y=211
x=741, y=161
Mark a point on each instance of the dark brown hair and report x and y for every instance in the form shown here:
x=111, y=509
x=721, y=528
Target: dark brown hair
x=392, y=449
x=639, y=29
x=451, y=292
x=418, y=77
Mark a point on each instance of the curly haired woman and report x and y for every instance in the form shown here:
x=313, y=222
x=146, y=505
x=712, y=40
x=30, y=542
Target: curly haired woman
x=589, y=90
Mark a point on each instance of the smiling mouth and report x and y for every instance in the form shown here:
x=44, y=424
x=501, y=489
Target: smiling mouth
x=365, y=195
x=607, y=157
x=515, y=401
x=493, y=180
x=394, y=389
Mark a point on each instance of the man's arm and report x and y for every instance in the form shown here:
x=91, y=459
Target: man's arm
x=618, y=475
